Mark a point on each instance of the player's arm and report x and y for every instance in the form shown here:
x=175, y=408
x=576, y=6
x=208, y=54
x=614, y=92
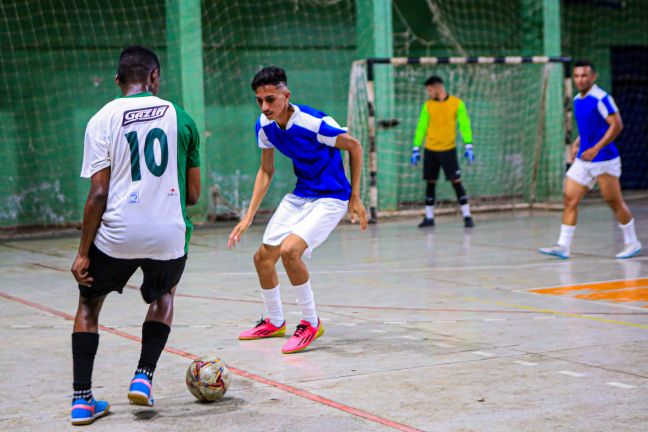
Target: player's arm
x=193, y=186
x=93, y=210
x=465, y=128
x=261, y=186
x=356, y=208
x=419, y=136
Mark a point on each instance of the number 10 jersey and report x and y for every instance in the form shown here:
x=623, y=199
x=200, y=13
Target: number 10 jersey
x=149, y=144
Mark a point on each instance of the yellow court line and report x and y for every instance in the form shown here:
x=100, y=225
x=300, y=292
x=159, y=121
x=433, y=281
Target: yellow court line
x=553, y=312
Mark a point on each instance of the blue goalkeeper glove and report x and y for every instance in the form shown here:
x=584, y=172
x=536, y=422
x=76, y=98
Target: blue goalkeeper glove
x=416, y=156
x=469, y=154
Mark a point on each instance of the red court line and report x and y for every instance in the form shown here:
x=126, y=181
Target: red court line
x=287, y=388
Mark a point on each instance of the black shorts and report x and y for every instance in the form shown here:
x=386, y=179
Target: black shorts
x=433, y=161
x=111, y=274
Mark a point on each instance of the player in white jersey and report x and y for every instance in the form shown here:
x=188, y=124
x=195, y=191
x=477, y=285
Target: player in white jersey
x=305, y=217
x=596, y=160
x=141, y=155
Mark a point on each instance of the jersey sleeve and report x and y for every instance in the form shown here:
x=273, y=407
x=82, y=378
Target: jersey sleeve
x=96, y=153
x=193, y=153
x=421, y=128
x=464, y=123
x=189, y=136
x=606, y=106
x=329, y=130
x=262, y=138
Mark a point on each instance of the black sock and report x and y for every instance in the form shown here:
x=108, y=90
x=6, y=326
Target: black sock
x=461, y=193
x=84, y=349
x=154, y=338
x=430, y=194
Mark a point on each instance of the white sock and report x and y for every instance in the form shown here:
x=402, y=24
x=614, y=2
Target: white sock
x=566, y=234
x=465, y=210
x=629, y=234
x=306, y=303
x=429, y=212
x=272, y=301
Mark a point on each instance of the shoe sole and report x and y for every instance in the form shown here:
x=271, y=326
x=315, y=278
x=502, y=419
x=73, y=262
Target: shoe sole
x=91, y=420
x=319, y=333
x=139, y=398
x=633, y=254
x=278, y=333
x=554, y=255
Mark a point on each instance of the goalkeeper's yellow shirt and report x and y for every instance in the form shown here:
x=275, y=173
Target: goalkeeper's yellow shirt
x=438, y=124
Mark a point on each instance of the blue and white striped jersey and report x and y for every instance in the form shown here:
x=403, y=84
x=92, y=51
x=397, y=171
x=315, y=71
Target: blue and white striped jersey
x=591, y=111
x=309, y=141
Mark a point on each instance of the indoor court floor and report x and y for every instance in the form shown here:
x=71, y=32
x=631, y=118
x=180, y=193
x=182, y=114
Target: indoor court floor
x=441, y=329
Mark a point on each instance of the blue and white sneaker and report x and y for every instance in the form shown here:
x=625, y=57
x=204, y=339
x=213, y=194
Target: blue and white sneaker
x=141, y=391
x=556, y=250
x=630, y=250
x=84, y=412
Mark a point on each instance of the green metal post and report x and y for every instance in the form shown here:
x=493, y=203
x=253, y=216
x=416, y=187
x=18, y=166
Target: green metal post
x=374, y=36
x=184, y=75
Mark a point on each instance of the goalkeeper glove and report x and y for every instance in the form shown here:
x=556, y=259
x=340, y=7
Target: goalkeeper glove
x=416, y=156
x=469, y=154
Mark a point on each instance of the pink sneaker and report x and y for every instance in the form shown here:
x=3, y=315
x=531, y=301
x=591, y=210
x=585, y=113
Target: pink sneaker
x=303, y=336
x=263, y=329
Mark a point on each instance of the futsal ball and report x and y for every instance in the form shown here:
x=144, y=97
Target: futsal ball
x=208, y=379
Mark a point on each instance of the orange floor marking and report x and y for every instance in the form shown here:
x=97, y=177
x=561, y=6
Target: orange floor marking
x=595, y=286
x=619, y=296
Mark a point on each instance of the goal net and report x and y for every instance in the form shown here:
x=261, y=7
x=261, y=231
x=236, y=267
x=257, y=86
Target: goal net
x=518, y=136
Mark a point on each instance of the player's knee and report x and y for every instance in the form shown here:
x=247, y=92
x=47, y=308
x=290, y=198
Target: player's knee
x=290, y=253
x=570, y=202
x=261, y=256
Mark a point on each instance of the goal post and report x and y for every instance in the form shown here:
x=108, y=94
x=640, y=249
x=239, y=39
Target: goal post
x=519, y=161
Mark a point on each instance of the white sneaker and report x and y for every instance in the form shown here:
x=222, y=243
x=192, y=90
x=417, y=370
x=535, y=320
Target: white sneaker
x=630, y=250
x=556, y=250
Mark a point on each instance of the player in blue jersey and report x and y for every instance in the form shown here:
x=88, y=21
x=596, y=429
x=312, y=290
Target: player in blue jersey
x=596, y=161
x=305, y=217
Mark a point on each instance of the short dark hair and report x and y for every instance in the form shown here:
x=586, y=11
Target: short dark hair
x=269, y=75
x=136, y=64
x=584, y=63
x=432, y=80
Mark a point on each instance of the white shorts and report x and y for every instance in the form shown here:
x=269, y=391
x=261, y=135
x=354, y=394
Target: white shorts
x=312, y=219
x=585, y=173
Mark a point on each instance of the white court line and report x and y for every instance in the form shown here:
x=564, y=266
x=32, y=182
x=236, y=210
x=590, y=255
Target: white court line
x=345, y=324
x=620, y=385
x=525, y=363
x=494, y=319
x=444, y=345
x=19, y=326
x=200, y=326
x=395, y=322
x=571, y=374
x=445, y=321
x=409, y=337
x=544, y=317
x=484, y=353
x=377, y=331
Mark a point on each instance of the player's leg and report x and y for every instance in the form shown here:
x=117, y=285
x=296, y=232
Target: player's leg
x=274, y=323
x=431, y=168
x=319, y=219
x=572, y=196
x=452, y=173
x=158, y=290
x=611, y=192
x=265, y=260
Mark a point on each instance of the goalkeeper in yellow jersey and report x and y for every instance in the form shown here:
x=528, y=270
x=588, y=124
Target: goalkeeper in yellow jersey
x=437, y=128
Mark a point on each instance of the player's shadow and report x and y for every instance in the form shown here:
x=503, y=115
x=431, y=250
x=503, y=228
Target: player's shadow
x=193, y=409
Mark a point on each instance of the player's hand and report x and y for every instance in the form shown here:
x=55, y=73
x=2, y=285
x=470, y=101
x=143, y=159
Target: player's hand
x=237, y=232
x=416, y=156
x=80, y=270
x=357, y=211
x=469, y=154
x=589, y=154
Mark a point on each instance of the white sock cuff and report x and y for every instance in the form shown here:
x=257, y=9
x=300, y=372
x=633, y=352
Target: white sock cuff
x=628, y=225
